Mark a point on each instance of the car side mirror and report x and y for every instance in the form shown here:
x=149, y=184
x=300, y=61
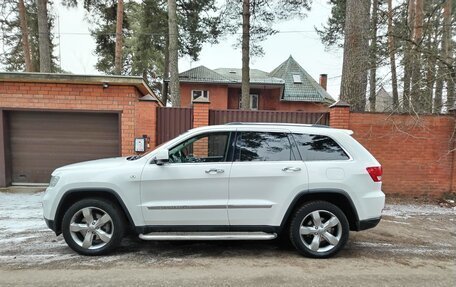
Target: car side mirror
x=161, y=156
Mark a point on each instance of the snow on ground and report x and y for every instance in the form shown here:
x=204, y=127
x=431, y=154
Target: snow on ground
x=26, y=241
x=408, y=210
x=20, y=213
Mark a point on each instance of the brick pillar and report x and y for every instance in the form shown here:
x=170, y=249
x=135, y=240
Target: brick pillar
x=339, y=115
x=200, y=113
x=200, y=119
x=146, y=120
x=452, y=147
x=5, y=167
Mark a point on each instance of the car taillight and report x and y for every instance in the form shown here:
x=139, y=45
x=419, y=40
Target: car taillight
x=375, y=173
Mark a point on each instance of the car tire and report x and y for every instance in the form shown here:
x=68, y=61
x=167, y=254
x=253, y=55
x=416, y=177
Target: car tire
x=93, y=226
x=319, y=229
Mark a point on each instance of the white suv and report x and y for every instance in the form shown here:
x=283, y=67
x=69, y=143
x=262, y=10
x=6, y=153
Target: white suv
x=239, y=181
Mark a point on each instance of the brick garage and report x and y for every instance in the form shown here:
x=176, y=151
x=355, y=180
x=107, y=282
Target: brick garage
x=125, y=104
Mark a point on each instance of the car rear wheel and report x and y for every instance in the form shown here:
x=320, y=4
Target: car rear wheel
x=93, y=226
x=319, y=229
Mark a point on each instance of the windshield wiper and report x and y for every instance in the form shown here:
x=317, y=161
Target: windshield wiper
x=133, y=157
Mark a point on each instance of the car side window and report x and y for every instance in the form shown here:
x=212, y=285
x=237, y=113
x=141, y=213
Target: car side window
x=210, y=147
x=319, y=147
x=263, y=146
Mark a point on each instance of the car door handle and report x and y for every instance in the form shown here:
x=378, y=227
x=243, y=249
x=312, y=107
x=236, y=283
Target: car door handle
x=214, y=171
x=291, y=169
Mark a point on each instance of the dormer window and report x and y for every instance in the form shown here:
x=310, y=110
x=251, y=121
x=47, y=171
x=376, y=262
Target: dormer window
x=200, y=95
x=297, y=79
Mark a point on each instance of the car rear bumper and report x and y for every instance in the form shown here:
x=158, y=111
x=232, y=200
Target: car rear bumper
x=368, y=223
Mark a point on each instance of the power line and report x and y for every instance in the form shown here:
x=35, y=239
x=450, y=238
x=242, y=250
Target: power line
x=167, y=34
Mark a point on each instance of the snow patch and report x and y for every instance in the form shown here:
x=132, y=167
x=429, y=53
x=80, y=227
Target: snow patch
x=408, y=210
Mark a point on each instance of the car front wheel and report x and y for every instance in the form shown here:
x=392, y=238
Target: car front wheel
x=93, y=226
x=319, y=229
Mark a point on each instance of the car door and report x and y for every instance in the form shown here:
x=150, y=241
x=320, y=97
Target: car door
x=266, y=174
x=192, y=188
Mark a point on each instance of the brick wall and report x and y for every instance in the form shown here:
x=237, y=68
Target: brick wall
x=415, y=151
x=137, y=118
x=218, y=95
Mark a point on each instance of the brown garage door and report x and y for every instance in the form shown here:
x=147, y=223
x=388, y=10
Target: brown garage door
x=43, y=141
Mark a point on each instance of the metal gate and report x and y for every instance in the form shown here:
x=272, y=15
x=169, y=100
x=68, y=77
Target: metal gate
x=172, y=122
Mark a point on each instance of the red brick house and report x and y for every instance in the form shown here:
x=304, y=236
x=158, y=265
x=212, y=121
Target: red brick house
x=287, y=88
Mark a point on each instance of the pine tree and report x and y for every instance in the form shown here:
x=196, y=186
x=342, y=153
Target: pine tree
x=356, y=56
x=25, y=36
x=44, y=36
x=119, y=38
x=12, y=55
x=173, y=53
x=254, y=20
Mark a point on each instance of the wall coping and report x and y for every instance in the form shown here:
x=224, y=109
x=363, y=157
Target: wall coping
x=55, y=78
x=340, y=104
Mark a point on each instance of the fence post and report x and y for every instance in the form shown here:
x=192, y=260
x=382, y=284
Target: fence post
x=452, y=148
x=200, y=113
x=146, y=119
x=339, y=115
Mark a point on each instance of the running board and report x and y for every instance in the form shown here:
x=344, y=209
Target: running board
x=208, y=236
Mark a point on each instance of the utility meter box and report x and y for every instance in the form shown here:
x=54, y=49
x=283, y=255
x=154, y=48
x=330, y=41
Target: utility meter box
x=140, y=144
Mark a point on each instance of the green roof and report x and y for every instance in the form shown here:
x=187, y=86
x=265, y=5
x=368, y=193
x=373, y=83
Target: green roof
x=297, y=84
x=202, y=74
x=256, y=76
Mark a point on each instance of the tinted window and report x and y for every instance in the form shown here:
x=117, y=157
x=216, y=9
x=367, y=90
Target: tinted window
x=258, y=146
x=202, y=148
x=318, y=147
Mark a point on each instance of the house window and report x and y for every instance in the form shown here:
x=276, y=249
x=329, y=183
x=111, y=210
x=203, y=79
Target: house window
x=297, y=79
x=253, y=102
x=200, y=95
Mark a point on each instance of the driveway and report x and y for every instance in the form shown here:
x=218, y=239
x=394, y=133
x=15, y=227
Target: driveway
x=414, y=245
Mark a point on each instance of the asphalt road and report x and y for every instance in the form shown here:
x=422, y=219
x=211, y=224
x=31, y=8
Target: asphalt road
x=414, y=245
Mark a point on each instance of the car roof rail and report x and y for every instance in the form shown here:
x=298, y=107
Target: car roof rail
x=279, y=124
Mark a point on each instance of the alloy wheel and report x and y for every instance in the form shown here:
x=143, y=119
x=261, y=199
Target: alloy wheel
x=320, y=231
x=91, y=228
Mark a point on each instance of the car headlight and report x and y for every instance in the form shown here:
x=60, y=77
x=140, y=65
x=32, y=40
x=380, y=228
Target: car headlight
x=54, y=181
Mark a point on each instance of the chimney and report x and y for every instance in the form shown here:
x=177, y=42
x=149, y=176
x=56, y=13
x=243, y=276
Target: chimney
x=324, y=81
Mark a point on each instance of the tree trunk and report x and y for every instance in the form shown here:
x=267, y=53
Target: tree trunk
x=356, y=55
x=25, y=36
x=447, y=53
x=173, y=54
x=440, y=72
x=245, y=88
x=119, y=39
x=392, y=54
x=416, y=93
x=408, y=56
x=373, y=57
x=432, y=44
x=165, y=73
x=43, y=38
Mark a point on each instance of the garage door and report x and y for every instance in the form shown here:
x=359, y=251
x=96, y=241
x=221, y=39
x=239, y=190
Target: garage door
x=42, y=141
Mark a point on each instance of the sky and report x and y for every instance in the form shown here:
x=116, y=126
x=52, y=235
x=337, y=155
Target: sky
x=297, y=37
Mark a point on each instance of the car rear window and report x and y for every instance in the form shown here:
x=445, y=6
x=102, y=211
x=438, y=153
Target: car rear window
x=319, y=147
